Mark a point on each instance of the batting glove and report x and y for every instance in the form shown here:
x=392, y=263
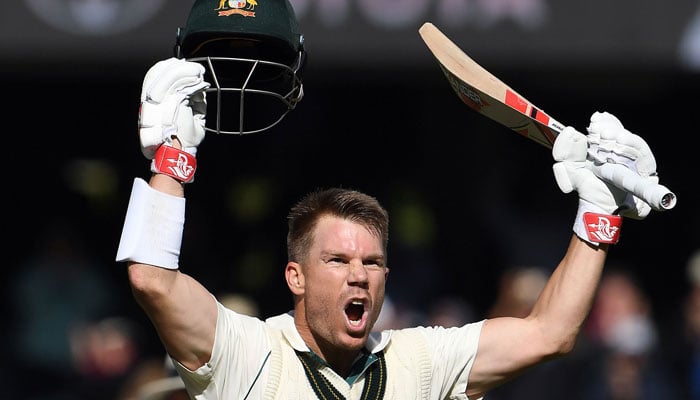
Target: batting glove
x=609, y=142
x=602, y=204
x=173, y=105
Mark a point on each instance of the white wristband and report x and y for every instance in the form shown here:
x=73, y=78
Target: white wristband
x=153, y=227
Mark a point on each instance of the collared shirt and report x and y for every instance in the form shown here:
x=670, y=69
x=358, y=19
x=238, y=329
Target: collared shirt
x=255, y=359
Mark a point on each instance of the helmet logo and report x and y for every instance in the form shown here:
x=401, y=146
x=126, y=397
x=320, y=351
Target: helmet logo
x=240, y=7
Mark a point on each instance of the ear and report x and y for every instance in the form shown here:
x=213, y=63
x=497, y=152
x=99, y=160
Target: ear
x=295, y=278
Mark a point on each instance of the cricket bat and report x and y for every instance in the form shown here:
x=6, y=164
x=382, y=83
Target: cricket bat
x=489, y=96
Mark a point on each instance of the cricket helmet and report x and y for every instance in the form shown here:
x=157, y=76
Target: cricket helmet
x=253, y=54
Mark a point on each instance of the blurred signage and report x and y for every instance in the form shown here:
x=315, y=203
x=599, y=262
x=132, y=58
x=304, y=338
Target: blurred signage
x=366, y=33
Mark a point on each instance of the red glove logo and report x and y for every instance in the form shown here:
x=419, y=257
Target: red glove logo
x=602, y=228
x=175, y=163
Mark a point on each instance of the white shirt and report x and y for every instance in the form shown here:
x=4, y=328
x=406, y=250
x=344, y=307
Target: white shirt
x=255, y=359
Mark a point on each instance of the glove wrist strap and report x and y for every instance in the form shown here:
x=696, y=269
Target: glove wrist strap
x=595, y=226
x=175, y=163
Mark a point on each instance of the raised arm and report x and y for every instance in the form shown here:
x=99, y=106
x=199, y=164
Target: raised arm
x=171, y=126
x=508, y=346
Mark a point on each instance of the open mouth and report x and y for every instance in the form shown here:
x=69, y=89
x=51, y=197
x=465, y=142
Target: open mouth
x=354, y=311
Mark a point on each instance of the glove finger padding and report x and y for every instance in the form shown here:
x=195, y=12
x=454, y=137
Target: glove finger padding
x=618, y=145
x=172, y=76
x=173, y=104
x=572, y=173
x=569, y=151
x=610, y=142
x=596, y=198
x=190, y=121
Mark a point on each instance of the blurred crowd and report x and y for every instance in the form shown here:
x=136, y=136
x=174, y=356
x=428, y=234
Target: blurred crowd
x=73, y=333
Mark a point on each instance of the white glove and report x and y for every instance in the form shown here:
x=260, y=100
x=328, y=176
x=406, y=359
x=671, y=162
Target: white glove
x=173, y=104
x=577, y=155
x=572, y=174
x=609, y=142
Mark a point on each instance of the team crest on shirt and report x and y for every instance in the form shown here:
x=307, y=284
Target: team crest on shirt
x=241, y=7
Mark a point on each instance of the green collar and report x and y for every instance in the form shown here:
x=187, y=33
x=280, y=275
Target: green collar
x=375, y=380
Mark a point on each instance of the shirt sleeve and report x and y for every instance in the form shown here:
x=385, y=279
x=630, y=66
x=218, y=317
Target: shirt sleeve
x=240, y=349
x=453, y=354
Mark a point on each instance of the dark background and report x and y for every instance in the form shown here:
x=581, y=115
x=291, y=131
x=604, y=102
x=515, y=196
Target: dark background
x=378, y=116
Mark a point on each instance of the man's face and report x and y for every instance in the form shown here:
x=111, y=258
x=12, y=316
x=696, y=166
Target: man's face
x=344, y=279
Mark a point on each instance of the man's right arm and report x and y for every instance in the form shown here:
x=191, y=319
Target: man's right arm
x=183, y=311
x=171, y=126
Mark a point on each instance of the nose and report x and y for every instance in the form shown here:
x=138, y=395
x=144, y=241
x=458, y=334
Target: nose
x=357, y=272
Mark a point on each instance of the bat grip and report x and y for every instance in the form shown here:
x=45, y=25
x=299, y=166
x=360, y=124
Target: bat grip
x=659, y=197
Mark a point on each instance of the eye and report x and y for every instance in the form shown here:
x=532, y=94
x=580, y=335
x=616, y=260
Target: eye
x=374, y=264
x=334, y=261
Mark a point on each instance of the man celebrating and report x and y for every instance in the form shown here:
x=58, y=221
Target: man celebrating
x=337, y=268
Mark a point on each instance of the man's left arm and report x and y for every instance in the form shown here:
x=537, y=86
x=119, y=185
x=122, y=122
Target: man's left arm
x=509, y=346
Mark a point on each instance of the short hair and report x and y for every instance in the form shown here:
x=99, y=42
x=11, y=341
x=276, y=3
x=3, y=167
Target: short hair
x=348, y=204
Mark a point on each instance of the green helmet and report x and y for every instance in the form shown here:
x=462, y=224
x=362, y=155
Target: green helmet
x=253, y=53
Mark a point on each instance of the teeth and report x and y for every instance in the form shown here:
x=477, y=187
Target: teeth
x=355, y=323
x=357, y=303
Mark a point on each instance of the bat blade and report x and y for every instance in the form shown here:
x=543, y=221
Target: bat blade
x=486, y=94
x=489, y=96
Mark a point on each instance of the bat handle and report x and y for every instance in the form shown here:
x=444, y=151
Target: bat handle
x=659, y=197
